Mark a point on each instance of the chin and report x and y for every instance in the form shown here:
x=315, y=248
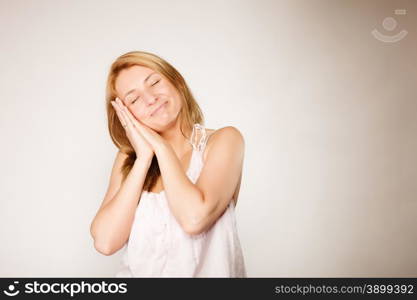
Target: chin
x=161, y=125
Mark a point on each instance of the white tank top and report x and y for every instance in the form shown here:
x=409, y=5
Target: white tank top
x=159, y=247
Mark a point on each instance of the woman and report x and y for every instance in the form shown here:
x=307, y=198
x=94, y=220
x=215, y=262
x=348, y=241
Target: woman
x=174, y=184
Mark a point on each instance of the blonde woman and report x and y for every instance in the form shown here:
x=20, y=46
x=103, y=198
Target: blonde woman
x=174, y=184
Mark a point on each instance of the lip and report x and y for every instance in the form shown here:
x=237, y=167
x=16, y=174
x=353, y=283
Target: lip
x=160, y=106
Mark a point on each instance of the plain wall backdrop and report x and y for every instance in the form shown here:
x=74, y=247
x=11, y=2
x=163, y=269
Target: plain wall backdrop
x=328, y=113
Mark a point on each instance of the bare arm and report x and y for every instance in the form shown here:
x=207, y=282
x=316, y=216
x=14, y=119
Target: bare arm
x=198, y=206
x=111, y=226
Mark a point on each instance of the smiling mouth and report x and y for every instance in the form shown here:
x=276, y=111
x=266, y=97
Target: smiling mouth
x=159, y=108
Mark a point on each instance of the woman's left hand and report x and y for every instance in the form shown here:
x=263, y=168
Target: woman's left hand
x=151, y=136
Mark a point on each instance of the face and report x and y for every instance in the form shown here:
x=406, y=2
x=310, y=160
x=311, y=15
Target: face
x=149, y=96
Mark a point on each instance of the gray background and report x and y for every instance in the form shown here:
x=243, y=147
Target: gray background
x=328, y=113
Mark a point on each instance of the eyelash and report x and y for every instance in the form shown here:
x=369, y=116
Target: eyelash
x=138, y=97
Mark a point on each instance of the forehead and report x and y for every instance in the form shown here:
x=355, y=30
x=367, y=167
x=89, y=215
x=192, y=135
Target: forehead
x=131, y=76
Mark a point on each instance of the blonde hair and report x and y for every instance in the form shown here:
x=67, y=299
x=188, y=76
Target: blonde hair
x=189, y=115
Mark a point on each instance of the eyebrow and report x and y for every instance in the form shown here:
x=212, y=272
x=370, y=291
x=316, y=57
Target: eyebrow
x=143, y=81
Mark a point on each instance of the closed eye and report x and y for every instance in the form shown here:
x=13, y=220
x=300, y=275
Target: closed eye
x=138, y=97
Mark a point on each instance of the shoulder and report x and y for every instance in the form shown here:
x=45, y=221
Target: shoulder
x=227, y=138
x=228, y=133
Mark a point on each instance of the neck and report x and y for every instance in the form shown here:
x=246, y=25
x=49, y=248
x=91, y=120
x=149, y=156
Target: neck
x=174, y=137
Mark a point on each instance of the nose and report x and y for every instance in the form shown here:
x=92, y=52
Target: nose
x=150, y=99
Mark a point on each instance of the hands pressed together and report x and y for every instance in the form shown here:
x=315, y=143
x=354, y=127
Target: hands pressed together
x=143, y=139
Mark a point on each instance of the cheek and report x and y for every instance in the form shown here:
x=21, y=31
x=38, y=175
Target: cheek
x=138, y=114
x=178, y=104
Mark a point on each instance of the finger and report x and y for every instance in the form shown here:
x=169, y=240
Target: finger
x=143, y=130
x=116, y=109
x=122, y=110
x=130, y=116
x=146, y=132
x=119, y=115
x=127, y=113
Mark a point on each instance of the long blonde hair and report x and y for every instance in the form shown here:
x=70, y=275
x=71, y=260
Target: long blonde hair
x=189, y=114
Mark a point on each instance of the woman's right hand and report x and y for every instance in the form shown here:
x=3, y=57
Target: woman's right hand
x=142, y=148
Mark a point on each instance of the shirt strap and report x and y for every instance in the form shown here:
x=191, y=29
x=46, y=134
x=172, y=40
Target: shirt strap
x=198, y=130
